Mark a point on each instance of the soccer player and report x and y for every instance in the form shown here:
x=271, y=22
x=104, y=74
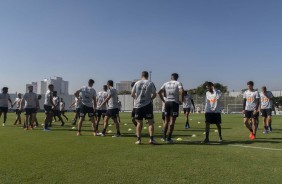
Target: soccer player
x=48, y=106
x=36, y=121
x=212, y=110
x=101, y=110
x=144, y=92
x=266, y=107
x=30, y=104
x=250, y=109
x=87, y=94
x=4, y=100
x=119, y=110
x=62, y=108
x=187, y=102
x=172, y=90
x=112, y=100
x=77, y=104
x=17, y=102
x=56, y=109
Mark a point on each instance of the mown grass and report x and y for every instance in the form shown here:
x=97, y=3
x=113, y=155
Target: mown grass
x=60, y=156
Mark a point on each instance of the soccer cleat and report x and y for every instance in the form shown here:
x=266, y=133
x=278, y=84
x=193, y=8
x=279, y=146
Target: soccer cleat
x=138, y=142
x=78, y=134
x=270, y=128
x=220, y=140
x=252, y=136
x=4, y=124
x=265, y=132
x=206, y=141
x=116, y=135
x=46, y=129
x=163, y=139
x=170, y=141
x=152, y=141
x=63, y=123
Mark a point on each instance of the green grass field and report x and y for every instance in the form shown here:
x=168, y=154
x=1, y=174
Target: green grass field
x=60, y=156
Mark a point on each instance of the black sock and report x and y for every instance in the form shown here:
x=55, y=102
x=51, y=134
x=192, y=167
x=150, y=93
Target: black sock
x=207, y=135
x=152, y=137
x=104, y=131
x=118, y=132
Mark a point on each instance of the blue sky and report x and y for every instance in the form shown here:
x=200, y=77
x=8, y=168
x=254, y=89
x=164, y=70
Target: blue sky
x=223, y=41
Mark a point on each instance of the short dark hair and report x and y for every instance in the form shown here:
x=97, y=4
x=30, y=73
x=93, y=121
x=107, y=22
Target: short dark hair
x=175, y=76
x=105, y=87
x=39, y=97
x=54, y=92
x=91, y=81
x=145, y=74
x=110, y=83
x=250, y=83
x=4, y=88
x=132, y=84
x=209, y=84
x=50, y=85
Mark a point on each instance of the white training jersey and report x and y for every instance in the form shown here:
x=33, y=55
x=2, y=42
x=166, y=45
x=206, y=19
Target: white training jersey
x=101, y=97
x=113, y=101
x=265, y=100
x=212, y=102
x=187, y=101
x=171, y=89
x=143, y=89
x=30, y=100
x=18, y=102
x=56, y=102
x=4, y=99
x=62, y=106
x=87, y=94
x=48, y=98
x=251, y=98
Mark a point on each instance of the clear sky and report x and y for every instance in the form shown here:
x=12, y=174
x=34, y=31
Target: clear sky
x=226, y=41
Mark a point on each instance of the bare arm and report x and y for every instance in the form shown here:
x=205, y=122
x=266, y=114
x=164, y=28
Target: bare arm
x=160, y=93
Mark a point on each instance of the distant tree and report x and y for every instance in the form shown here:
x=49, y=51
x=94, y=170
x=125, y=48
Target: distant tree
x=201, y=90
x=124, y=92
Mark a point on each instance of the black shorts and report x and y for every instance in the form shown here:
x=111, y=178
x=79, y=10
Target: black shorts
x=112, y=113
x=133, y=113
x=4, y=109
x=18, y=111
x=144, y=112
x=86, y=110
x=250, y=114
x=100, y=112
x=266, y=112
x=48, y=109
x=56, y=112
x=30, y=111
x=186, y=110
x=171, y=109
x=77, y=110
x=213, y=118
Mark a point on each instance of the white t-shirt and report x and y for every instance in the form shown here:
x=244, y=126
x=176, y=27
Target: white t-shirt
x=113, y=101
x=265, y=101
x=187, y=101
x=56, y=102
x=4, y=99
x=87, y=94
x=18, y=102
x=171, y=89
x=251, y=98
x=102, y=95
x=30, y=100
x=143, y=90
x=62, y=106
x=48, y=98
x=212, y=102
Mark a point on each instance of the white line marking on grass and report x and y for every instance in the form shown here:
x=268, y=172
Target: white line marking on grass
x=254, y=147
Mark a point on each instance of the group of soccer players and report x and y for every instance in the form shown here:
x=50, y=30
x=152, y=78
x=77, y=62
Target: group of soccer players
x=105, y=104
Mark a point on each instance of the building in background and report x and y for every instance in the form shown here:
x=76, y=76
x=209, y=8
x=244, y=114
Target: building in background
x=61, y=86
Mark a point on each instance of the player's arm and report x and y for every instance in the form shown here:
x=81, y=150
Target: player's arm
x=10, y=102
x=72, y=104
x=160, y=93
x=107, y=99
x=244, y=105
x=154, y=96
x=94, y=102
x=22, y=103
x=192, y=101
x=37, y=102
x=133, y=91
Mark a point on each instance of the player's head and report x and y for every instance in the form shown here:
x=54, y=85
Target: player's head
x=91, y=82
x=62, y=99
x=144, y=75
x=209, y=86
x=19, y=95
x=250, y=85
x=110, y=83
x=185, y=93
x=5, y=89
x=30, y=88
x=105, y=87
x=54, y=93
x=174, y=76
x=51, y=87
x=39, y=97
x=263, y=89
x=132, y=84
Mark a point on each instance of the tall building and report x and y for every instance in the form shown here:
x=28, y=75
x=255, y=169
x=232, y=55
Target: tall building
x=61, y=86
